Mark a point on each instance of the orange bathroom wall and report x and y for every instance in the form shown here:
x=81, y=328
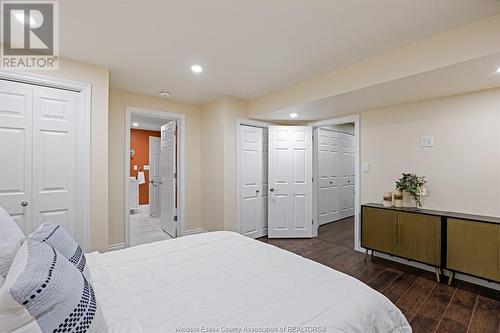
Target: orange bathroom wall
x=139, y=141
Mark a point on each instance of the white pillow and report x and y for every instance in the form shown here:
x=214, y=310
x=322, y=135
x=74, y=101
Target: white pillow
x=11, y=238
x=44, y=293
x=56, y=236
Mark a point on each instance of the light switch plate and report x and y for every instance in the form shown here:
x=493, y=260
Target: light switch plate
x=426, y=141
x=135, y=167
x=366, y=167
x=146, y=167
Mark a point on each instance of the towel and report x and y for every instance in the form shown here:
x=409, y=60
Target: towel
x=140, y=178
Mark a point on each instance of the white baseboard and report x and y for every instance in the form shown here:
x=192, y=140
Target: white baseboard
x=194, y=231
x=462, y=277
x=117, y=246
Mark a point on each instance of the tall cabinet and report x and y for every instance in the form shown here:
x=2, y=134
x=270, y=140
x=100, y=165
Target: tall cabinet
x=40, y=144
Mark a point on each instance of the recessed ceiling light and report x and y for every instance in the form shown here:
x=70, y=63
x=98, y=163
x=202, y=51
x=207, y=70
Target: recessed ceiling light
x=164, y=93
x=498, y=70
x=135, y=124
x=293, y=115
x=196, y=68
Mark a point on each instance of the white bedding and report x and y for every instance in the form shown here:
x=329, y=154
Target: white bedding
x=222, y=280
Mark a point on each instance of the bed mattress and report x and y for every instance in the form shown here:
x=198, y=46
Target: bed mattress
x=226, y=282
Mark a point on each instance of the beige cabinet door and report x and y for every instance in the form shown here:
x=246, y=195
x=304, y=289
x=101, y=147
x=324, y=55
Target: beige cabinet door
x=473, y=248
x=419, y=237
x=378, y=229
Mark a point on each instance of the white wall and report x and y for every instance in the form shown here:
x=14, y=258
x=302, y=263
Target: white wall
x=463, y=168
x=219, y=162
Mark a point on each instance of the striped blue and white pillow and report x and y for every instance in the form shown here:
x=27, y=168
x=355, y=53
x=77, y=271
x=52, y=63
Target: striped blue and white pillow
x=56, y=236
x=45, y=293
x=11, y=238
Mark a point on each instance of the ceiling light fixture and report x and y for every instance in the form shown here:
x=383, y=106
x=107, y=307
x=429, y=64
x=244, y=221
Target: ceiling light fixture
x=164, y=93
x=196, y=69
x=135, y=124
x=293, y=115
x=498, y=70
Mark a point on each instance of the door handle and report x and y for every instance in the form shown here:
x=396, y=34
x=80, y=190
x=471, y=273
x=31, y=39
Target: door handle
x=271, y=189
x=331, y=182
x=24, y=203
x=257, y=191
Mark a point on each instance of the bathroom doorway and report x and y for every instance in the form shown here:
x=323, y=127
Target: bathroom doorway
x=153, y=170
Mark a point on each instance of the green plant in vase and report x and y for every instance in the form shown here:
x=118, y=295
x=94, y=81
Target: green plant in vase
x=414, y=186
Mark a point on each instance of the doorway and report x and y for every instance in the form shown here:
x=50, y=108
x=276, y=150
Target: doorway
x=299, y=198
x=154, y=196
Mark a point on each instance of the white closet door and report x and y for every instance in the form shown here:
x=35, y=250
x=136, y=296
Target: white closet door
x=347, y=174
x=328, y=176
x=253, y=200
x=54, y=125
x=251, y=180
x=16, y=103
x=265, y=186
x=167, y=185
x=290, y=181
x=154, y=176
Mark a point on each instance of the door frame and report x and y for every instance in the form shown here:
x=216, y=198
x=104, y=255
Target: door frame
x=82, y=137
x=181, y=127
x=149, y=158
x=239, y=171
x=357, y=205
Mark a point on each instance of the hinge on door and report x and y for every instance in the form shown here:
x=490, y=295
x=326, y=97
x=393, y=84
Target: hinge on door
x=175, y=175
x=175, y=218
x=312, y=179
x=312, y=222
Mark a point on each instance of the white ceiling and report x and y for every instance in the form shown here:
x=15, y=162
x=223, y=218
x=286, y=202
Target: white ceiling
x=147, y=123
x=247, y=48
x=469, y=76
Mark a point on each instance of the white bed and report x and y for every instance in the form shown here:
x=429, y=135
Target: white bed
x=222, y=280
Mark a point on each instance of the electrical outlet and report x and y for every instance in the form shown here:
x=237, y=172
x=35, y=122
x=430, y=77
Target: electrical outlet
x=426, y=141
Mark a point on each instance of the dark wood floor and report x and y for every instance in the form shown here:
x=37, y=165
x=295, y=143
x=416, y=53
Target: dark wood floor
x=428, y=306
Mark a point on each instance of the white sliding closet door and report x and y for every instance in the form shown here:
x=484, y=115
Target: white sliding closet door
x=54, y=113
x=348, y=151
x=253, y=181
x=38, y=143
x=335, y=173
x=16, y=104
x=328, y=176
x=290, y=181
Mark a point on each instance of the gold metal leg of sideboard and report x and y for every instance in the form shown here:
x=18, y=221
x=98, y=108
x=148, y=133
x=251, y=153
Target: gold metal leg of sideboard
x=438, y=275
x=366, y=254
x=450, y=278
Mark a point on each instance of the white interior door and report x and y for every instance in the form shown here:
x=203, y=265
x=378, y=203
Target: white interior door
x=154, y=175
x=328, y=176
x=253, y=181
x=290, y=181
x=167, y=178
x=347, y=147
x=16, y=104
x=54, y=126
